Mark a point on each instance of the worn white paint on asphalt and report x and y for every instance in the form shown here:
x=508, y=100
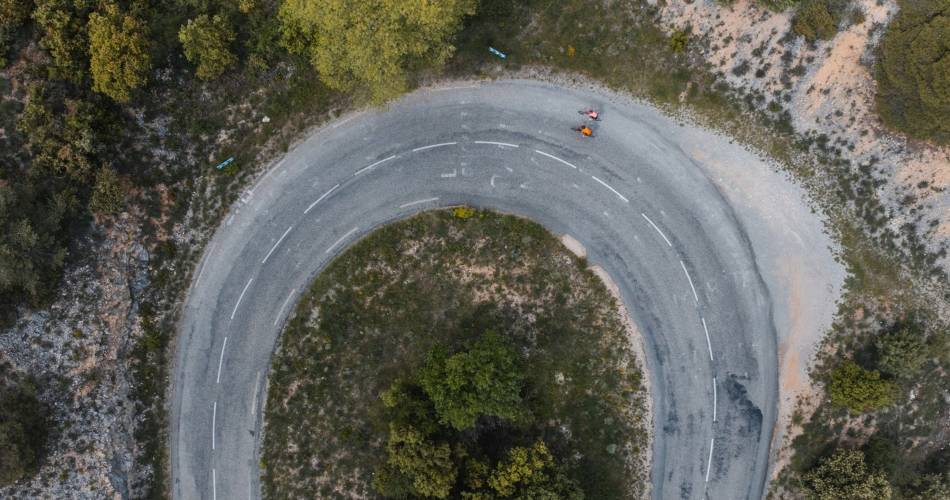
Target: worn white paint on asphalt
x=712, y=443
x=608, y=186
x=555, y=158
x=345, y=236
x=324, y=195
x=201, y=270
x=693, y=288
x=280, y=313
x=221, y=360
x=214, y=416
x=276, y=244
x=214, y=484
x=380, y=162
x=503, y=144
x=418, y=202
x=667, y=240
x=433, y=146
x=257, y=385
x=238, y=303
x=708, y=343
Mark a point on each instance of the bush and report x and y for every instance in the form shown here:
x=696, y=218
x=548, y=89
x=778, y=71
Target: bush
x=62, y=133
x=108, y=196
x=901, y=353
x=844, y=476
x=13, y=13
x=858, y=389
x=118, y=49
x=913, y=71
x=679, y=41
x=63, y=24
x=815, y=21
x=206, y=42
x=22, y=433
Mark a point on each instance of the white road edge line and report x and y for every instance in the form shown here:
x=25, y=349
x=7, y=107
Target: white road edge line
x=714, y=399
x=696, y=297
x=622, y=197
x=497, y=144
x=324, y=195
x=555, y=158
x=282, y=307
x=221, y=360
x=657, y=230
x=712, y=442
x=241, y=297
x=214, y=485
x=214, y=416
x=411, y=203
x=432, y=146
x=708, y=343
x=345, y=236
x=442, y=89
x=364, y=169
x=201, y=270
x=276, y=244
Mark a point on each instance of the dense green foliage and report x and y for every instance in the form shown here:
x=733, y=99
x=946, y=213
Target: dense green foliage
x=62, y=134
x=118, y=48
x=22, y=432
x=858, y=389
x=206, y=42
x=435, y=449
x=913, y=70
x=108, y=196
x=377, y=44
x=845, y=476
x=902, y=353
x=13, y=13
x=480, y=381
x=815, y=20
x=65, y=36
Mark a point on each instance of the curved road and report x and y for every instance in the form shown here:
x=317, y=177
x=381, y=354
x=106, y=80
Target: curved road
x=644, y=210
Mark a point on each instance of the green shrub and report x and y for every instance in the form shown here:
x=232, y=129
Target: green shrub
x=913, y=71
x=23, y=429
x=206, y=42
x=108, y=196
x=13, y=13
x=858, y=389
x=463, y=212
x=679, y=41
x=815, y=21
x=901, y=353
x=844, y=476
x=118, y=49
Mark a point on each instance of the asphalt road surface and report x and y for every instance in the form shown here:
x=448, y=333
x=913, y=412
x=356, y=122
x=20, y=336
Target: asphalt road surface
x=643, y=208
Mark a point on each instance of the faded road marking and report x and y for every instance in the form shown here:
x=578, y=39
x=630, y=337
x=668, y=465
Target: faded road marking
x=380, y=162
x=276, y=244
x=433, y=146
x=555, y=158
x=622, y=197
x=657, y=230
x=505, y=144
x=417, y=202
x=241, y=297
x=345, y=236
x=708, y=343
x=282, y=307
x=693, y=288
x=324, y=195
x=712, y=442
x=221, y=360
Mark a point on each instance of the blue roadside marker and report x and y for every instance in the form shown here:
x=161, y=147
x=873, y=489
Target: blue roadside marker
x=225, y=163
x=497, y=52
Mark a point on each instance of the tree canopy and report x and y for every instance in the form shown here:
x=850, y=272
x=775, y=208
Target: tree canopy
x=913, y=71
x=901, y=353
x=372, y=43
x=22, y=432
x=206, y=42
x=858, y=389
x=845, y=476
x=118, y=49
x=481, y=381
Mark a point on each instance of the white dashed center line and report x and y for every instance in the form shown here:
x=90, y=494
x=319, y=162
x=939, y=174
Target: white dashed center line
x=276, y=244
x=282, y=307
x=214, y=485
x=714, y=399
x=622, y=197
x=257, y=381
x=433, y=146
x=214, y=416
x=658, y=230
x=688, y=278
x=380, y=162
x=504, y=144
x=324, y=195
x=555, y=158
x=203, y=263
x=221, y=360
x=417, y=202
x=708, y=343
x=241, y=297
x=345, y=236
x=712, y=443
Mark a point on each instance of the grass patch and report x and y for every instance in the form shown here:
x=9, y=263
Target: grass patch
x=443, y=279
